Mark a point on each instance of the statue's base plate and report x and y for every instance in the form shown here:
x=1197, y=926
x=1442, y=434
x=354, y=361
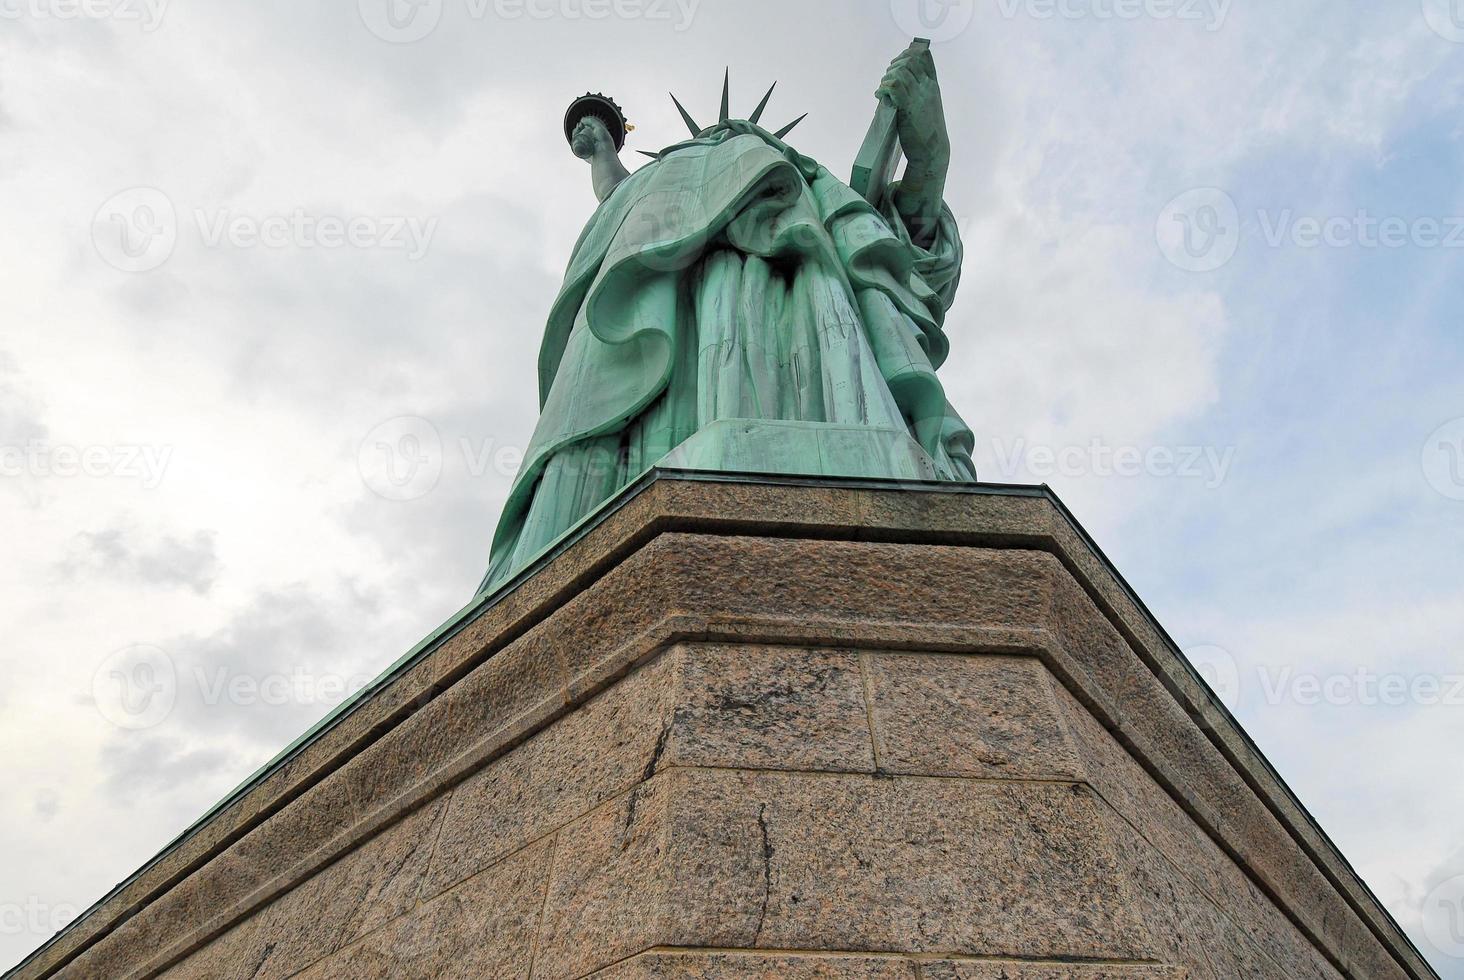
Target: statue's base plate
x=803, y=449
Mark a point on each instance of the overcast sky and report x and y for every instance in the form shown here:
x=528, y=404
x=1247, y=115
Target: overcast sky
x=258, y=258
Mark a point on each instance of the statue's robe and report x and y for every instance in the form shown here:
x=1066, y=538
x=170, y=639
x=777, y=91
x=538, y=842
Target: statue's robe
x=734, y=278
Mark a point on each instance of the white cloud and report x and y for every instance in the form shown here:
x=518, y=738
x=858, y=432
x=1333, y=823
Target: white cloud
x=260, y=370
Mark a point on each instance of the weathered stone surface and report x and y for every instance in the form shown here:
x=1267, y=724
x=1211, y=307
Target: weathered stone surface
x=482, y=928
x=758, y=707
x=697, y=965
x=920, y=865
x=1216, y=793
x=767, y=572
x=608, y=888
x=1160, y=822
x=1213, y=792
x=1194, y=933
x=729, y=859
x=992, y=717
x=979, y=970
x=369, y=887
x=590, y=755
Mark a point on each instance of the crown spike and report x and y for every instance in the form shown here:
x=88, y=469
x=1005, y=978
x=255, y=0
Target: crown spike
x=789, y=128
x=757, y=113
x=648, y=153
x=726, y=95
x=691, y=123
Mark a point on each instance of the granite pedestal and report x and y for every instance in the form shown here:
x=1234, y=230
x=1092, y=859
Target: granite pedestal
x=741, y=728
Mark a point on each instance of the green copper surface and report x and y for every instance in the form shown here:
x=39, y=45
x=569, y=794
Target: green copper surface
x=734, y=306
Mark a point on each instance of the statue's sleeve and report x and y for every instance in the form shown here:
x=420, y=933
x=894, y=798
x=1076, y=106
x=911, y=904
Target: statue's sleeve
x=939, y=265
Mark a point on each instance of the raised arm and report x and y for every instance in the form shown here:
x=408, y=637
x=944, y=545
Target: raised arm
x=592, y=141
x=912, y=88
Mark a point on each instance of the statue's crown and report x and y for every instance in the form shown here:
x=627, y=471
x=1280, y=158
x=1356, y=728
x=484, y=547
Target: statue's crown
x=755, y=118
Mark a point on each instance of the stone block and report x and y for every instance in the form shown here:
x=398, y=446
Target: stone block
x=977, y=716
x=372, y=885
x=699, y=965
x=764, y=707
x=727, y=859
x=1007, y=970
x=484, y=927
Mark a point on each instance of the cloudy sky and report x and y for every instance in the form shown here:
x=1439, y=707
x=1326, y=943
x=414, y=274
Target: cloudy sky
x=1212, y=296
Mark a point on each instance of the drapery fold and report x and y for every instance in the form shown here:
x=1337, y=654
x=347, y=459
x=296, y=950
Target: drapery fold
x=732, y=278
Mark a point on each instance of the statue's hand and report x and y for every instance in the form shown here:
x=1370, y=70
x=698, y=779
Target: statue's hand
x=912, y=88
x=591, y=138
x=591, y=141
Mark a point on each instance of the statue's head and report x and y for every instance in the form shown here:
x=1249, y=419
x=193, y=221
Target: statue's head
x=601, y=109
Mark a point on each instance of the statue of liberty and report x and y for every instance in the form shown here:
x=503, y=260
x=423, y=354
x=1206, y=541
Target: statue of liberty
x=734, y=306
